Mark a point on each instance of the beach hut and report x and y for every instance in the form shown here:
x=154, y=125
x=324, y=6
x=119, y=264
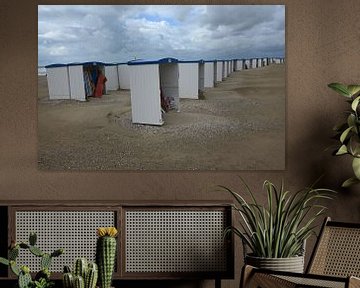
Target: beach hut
x=209, y=73
x=218, y=70
x=75, y=81
x=83, y=77
x=124, y=75
x=224, y=69
x=58, y=81
x=191, y=78
x=277, y=60
x=111, y=74
x=239, y=64
x=229, y=67
x=259, y=62
x=247, y=63
x=253, y=63
x=265, y=61
x=154, y=89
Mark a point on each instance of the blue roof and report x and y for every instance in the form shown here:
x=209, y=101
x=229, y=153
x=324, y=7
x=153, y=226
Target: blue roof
x=191, y=61
x=93, y=63
x=110, y=64
x=153, y=61
x=55, y=65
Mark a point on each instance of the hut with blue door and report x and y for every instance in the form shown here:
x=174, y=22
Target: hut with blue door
x=154, y=89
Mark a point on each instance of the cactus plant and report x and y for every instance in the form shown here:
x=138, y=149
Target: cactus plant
x=79, y=282
x=84, y=274
x=91, y=275
x=81, y=265
x=105, y=254
x=42, y=278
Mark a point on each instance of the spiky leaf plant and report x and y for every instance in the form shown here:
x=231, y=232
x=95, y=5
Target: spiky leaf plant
x=279, y=229
x=348, y=132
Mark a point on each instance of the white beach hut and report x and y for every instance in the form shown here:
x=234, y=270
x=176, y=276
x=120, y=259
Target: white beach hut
x=218, y=70
x=265, y=61
x=154, y=88
x=247, y=64
x=239, y=64
x=209, y=73
x=124, y=75
x=224, y=69
x=253, y=63
x=191, y=78
x=58, y=81
x=73, y=81
x=111, y=74
x=81, y=75
x=259, y=62
x=229, y=67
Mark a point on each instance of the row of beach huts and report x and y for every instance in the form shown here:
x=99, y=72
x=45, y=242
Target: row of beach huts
x=156, y=86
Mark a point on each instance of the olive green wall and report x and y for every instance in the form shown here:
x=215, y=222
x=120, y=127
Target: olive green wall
x=322, y=46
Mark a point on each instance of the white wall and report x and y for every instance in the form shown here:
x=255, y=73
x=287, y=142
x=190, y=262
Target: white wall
x=169, y=82
x=124, y=76
x=209, y=74
x=225, y=69
x=219, y=67
x=145, y=94
x=77, y=88
x=188, y=80
x=253, y=63
x=239, y=65
x=111, y=74
x=201, y=76
x=58, y=83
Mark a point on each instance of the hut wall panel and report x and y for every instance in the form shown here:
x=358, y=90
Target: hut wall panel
x=201, y=76
x=111, y=73
x=145, y=94
x=209, y=74
x=124, y=76
x=219, y=71
x=58, y=83
x=188, y=80
x=76, y=77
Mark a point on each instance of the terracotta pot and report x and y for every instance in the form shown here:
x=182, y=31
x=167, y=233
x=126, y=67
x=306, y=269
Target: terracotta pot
x=291, y=264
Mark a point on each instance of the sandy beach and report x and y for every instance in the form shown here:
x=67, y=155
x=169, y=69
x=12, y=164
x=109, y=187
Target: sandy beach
x=239, y=126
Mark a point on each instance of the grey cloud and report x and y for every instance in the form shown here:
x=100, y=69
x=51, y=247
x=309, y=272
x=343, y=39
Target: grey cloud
x=120, y=33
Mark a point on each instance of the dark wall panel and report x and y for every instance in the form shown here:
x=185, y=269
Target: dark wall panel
x=322, y=39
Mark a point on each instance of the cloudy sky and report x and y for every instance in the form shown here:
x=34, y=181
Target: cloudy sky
x=71, y=33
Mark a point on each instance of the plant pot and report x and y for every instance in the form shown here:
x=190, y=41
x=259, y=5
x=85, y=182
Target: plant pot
x=291, y=264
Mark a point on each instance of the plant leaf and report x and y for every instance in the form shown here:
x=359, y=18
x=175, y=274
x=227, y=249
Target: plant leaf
x=345, y=134
x=342, y=150
x=353, y=89
x=340, y=88
x=349, y=182
x=355, y=103
x=356, y=167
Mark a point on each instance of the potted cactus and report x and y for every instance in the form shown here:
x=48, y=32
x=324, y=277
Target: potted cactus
x=84, y=275
x=42, y=278
x=106, y=254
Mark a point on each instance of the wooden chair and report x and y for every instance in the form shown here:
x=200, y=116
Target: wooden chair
x=335, y=262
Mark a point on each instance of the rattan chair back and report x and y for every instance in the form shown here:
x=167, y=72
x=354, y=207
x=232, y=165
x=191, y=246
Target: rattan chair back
x=337, y=252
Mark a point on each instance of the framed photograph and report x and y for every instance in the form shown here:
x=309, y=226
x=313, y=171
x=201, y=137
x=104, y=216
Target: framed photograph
x=161, y=87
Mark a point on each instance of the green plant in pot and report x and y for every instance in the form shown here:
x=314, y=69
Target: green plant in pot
x=348, y=132
x=275, y=233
